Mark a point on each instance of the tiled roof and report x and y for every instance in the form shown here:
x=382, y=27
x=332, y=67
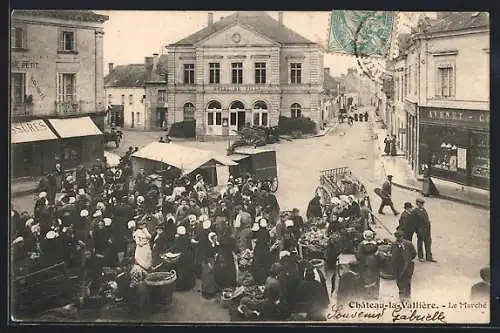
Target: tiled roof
x=460, y=21
x=80, y=15
x=133, y=75
x=261, y=22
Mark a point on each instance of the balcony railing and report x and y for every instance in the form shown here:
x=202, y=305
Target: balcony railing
x=68, y=107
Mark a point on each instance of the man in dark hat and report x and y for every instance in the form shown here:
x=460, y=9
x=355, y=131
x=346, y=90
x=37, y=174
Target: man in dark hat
x=420, y=219
x=404, y=226
x=403, y=254
x=385, y=194
x=481, y=290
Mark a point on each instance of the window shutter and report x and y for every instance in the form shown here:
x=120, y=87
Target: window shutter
x=59, y=87
x=74, y=41
x=12, y=37
x=451, y=80
x=437, y=82
x=75, y=86
x=25, y=37
x=61, y=41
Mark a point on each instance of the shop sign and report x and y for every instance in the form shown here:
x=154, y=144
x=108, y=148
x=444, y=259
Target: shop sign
x=33, y=126
x=456, y=115
x=235, y=88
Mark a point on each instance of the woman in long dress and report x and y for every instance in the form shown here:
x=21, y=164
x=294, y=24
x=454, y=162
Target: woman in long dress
x=226, y=263
x=185, y=265
x=208, y=286
x=143, y=259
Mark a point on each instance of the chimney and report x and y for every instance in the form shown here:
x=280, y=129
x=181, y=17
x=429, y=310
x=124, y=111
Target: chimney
x=210, y=19
x=280, y=17
x=148, y=63
x=327, y=70
x=110, y=67
x=156, y=57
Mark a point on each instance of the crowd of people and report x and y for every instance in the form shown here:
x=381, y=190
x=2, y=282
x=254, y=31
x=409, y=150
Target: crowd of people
x=111, y=217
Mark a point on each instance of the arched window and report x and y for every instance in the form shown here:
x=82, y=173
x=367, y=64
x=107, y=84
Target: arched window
x=260, y=115
x=188, y=111
x=237, y=105
x=296, y=110
x=214, y=113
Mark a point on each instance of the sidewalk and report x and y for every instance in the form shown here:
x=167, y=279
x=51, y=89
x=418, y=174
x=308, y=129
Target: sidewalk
x=403, y=177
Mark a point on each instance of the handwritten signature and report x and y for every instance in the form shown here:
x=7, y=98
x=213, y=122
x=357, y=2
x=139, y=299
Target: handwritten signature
x=339, y=312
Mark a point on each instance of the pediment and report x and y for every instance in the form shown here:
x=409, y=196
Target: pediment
x=236, y=36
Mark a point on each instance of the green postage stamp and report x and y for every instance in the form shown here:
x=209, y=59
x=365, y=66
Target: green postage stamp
x=361, y=33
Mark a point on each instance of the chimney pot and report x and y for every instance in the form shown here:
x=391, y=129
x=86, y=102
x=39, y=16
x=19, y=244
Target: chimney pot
x=156, y=57
x=148, y=62
x=210, y=18
x=110, y=67
x=280, y=17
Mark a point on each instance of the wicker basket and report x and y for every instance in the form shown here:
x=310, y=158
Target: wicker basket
x=162, y=287
x=226, y=298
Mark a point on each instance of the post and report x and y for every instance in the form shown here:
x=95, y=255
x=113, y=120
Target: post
x=225, y=126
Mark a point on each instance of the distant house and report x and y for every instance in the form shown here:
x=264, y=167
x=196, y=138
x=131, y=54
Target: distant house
x=136, y=94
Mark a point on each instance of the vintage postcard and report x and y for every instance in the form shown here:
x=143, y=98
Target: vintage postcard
x=212, y=167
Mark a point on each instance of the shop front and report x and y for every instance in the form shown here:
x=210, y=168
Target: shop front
x=33, y=144
x=81, y=141
x=411, y=134
x=454, y=145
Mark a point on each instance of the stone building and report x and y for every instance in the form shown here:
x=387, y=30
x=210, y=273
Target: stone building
x=246, y=67
x=57, y=94
x=137, y=94
x=446, y=98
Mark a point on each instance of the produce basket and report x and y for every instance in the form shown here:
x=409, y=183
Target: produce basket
x=226, y=297
x=161, y=286
x=386, y=264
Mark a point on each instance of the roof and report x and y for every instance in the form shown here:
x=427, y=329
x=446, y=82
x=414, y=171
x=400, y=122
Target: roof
x=260, y=22
x=329, y=82
x=460, y=21
x=79, y=15
x=133, y=75
x=184, y=158
x=75, y=127
x=159, y=74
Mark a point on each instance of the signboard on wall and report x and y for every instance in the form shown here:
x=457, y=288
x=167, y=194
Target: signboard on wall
x=455, y=116
x=462, y=158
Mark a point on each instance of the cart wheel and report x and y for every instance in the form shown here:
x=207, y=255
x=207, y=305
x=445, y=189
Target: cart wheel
x=274, y=184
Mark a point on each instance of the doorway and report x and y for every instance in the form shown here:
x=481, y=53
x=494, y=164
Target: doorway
x=236, y=117
x=241, y=120
x=132, y=124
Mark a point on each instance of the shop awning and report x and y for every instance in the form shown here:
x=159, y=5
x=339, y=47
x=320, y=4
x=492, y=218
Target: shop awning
x=31, y=131
x=237, y=157
x=181, y=157
x=75, y=127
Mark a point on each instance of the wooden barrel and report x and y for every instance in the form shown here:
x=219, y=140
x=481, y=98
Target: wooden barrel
x=161, y=286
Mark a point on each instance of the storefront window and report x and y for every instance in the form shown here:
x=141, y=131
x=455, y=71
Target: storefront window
x=480, y=155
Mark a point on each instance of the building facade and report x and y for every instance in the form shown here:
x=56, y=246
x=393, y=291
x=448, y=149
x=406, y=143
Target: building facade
x=447, y=98
x=56, y=83
x=248, y=68
x=137, y=95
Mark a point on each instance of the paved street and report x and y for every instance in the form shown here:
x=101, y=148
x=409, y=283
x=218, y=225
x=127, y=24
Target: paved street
x=460, y=233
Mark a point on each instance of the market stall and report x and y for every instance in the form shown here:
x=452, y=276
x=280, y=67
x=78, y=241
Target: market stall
x=154, y=156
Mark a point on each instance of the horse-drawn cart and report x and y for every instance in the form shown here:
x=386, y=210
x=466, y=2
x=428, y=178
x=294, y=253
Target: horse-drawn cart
x=113, y=135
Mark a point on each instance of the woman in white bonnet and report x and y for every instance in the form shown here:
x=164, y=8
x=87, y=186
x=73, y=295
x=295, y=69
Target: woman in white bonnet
x=142, y=264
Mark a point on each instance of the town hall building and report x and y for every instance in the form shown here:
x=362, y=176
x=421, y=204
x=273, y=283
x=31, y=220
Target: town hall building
x=247, y=68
